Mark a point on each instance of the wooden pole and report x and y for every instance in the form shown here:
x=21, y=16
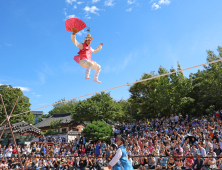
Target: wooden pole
x=9, y=116
x=10, y=127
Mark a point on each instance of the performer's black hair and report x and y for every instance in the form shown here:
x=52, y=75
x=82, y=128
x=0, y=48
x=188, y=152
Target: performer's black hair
x=122, y=139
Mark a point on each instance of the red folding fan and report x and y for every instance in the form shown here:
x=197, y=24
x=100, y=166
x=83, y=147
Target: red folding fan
x=74, y=25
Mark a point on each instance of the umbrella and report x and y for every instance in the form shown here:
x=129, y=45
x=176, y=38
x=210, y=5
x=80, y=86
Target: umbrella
x=190, y=138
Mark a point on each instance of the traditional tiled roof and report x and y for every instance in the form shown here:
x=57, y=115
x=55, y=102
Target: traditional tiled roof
x=66, y=118
x=22, y=127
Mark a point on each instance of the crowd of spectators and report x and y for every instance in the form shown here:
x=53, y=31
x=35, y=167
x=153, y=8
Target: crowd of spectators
x=174, y=143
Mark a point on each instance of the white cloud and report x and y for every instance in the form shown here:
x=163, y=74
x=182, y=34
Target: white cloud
x=23, y=88
x=164, y=2
x=38, y=95
x=80, y=2
x=155, y=6
x=74, y=7
x=131, y=2
x=8, y=45
x=123, y=63
x=126, y=61
x=87, y=17
x=41, y=77
x=94, y=1
x=109, y=3
x=70, y=16
x=129, y=10
x=93, y=9
x=80, y=33
x=70, y=1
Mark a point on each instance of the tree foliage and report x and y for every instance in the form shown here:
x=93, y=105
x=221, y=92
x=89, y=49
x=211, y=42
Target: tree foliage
x=163, y=95
x=207, y=86
x=200, y=93
x=10, y=95
x=97, y=130
x=98, y=107
x=56, y=123
x=65, y=107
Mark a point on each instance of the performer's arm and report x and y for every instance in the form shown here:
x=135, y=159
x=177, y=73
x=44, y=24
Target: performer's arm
x=98, y=48
x=75, y=42
x=116, y=158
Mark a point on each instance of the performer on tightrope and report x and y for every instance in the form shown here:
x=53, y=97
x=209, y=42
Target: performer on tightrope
x=120, y=160
x=84, y=57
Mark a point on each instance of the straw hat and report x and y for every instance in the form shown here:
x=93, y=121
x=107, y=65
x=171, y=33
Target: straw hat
x=88, y=37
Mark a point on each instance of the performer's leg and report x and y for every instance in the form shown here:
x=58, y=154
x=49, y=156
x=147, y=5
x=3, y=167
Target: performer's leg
x=87, y=73
x=97, y=67
x=88, y=65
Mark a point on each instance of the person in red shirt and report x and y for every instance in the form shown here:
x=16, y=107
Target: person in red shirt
x=14, y=151
x=82, y=150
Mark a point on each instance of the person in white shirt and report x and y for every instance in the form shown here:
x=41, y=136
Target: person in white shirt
x=8, y=151
x=29, y=150
x=210, y=161
x=176, y=118
x=24, y=150
x=201, y=150
x=112, y=140
x=208, y=145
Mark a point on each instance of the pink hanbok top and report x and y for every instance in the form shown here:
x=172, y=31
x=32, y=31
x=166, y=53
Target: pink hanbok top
x=85, y=53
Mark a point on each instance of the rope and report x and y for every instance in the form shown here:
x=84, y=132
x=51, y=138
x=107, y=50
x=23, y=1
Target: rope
x=118, y=87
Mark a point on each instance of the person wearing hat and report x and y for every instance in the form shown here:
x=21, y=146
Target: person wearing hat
x=120, y=160
x=84, y=56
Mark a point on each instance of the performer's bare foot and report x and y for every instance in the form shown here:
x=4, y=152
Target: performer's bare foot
x=87, y=78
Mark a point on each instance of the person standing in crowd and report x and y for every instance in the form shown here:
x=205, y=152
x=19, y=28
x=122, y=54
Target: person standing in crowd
x=98, y=150
x=82, y=140
x=120, y=160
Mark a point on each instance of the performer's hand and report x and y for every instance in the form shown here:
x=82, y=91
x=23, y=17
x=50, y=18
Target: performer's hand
x=101, y=44
x=73, y=33
x=109, y=167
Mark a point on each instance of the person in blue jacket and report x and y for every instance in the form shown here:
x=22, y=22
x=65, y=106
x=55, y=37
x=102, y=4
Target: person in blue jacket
x=120, y=160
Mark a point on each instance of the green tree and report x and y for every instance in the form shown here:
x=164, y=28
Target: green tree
x=10, y=95
x=180, y=88
x=56, y=124
x=161, y=96
x=125, y=106
x=46, y=115
x=65, y=107
x=98, y=107
x=207, y=86
x=97, y=130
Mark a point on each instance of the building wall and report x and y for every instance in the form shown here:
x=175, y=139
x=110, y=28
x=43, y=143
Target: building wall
x=66, y=127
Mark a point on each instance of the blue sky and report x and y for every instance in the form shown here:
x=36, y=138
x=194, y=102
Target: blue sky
x=36, y=52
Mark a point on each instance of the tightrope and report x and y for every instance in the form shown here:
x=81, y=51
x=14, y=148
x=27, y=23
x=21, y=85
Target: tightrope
x=117, y=87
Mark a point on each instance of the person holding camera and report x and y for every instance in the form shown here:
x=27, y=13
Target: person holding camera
x=210, y=161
